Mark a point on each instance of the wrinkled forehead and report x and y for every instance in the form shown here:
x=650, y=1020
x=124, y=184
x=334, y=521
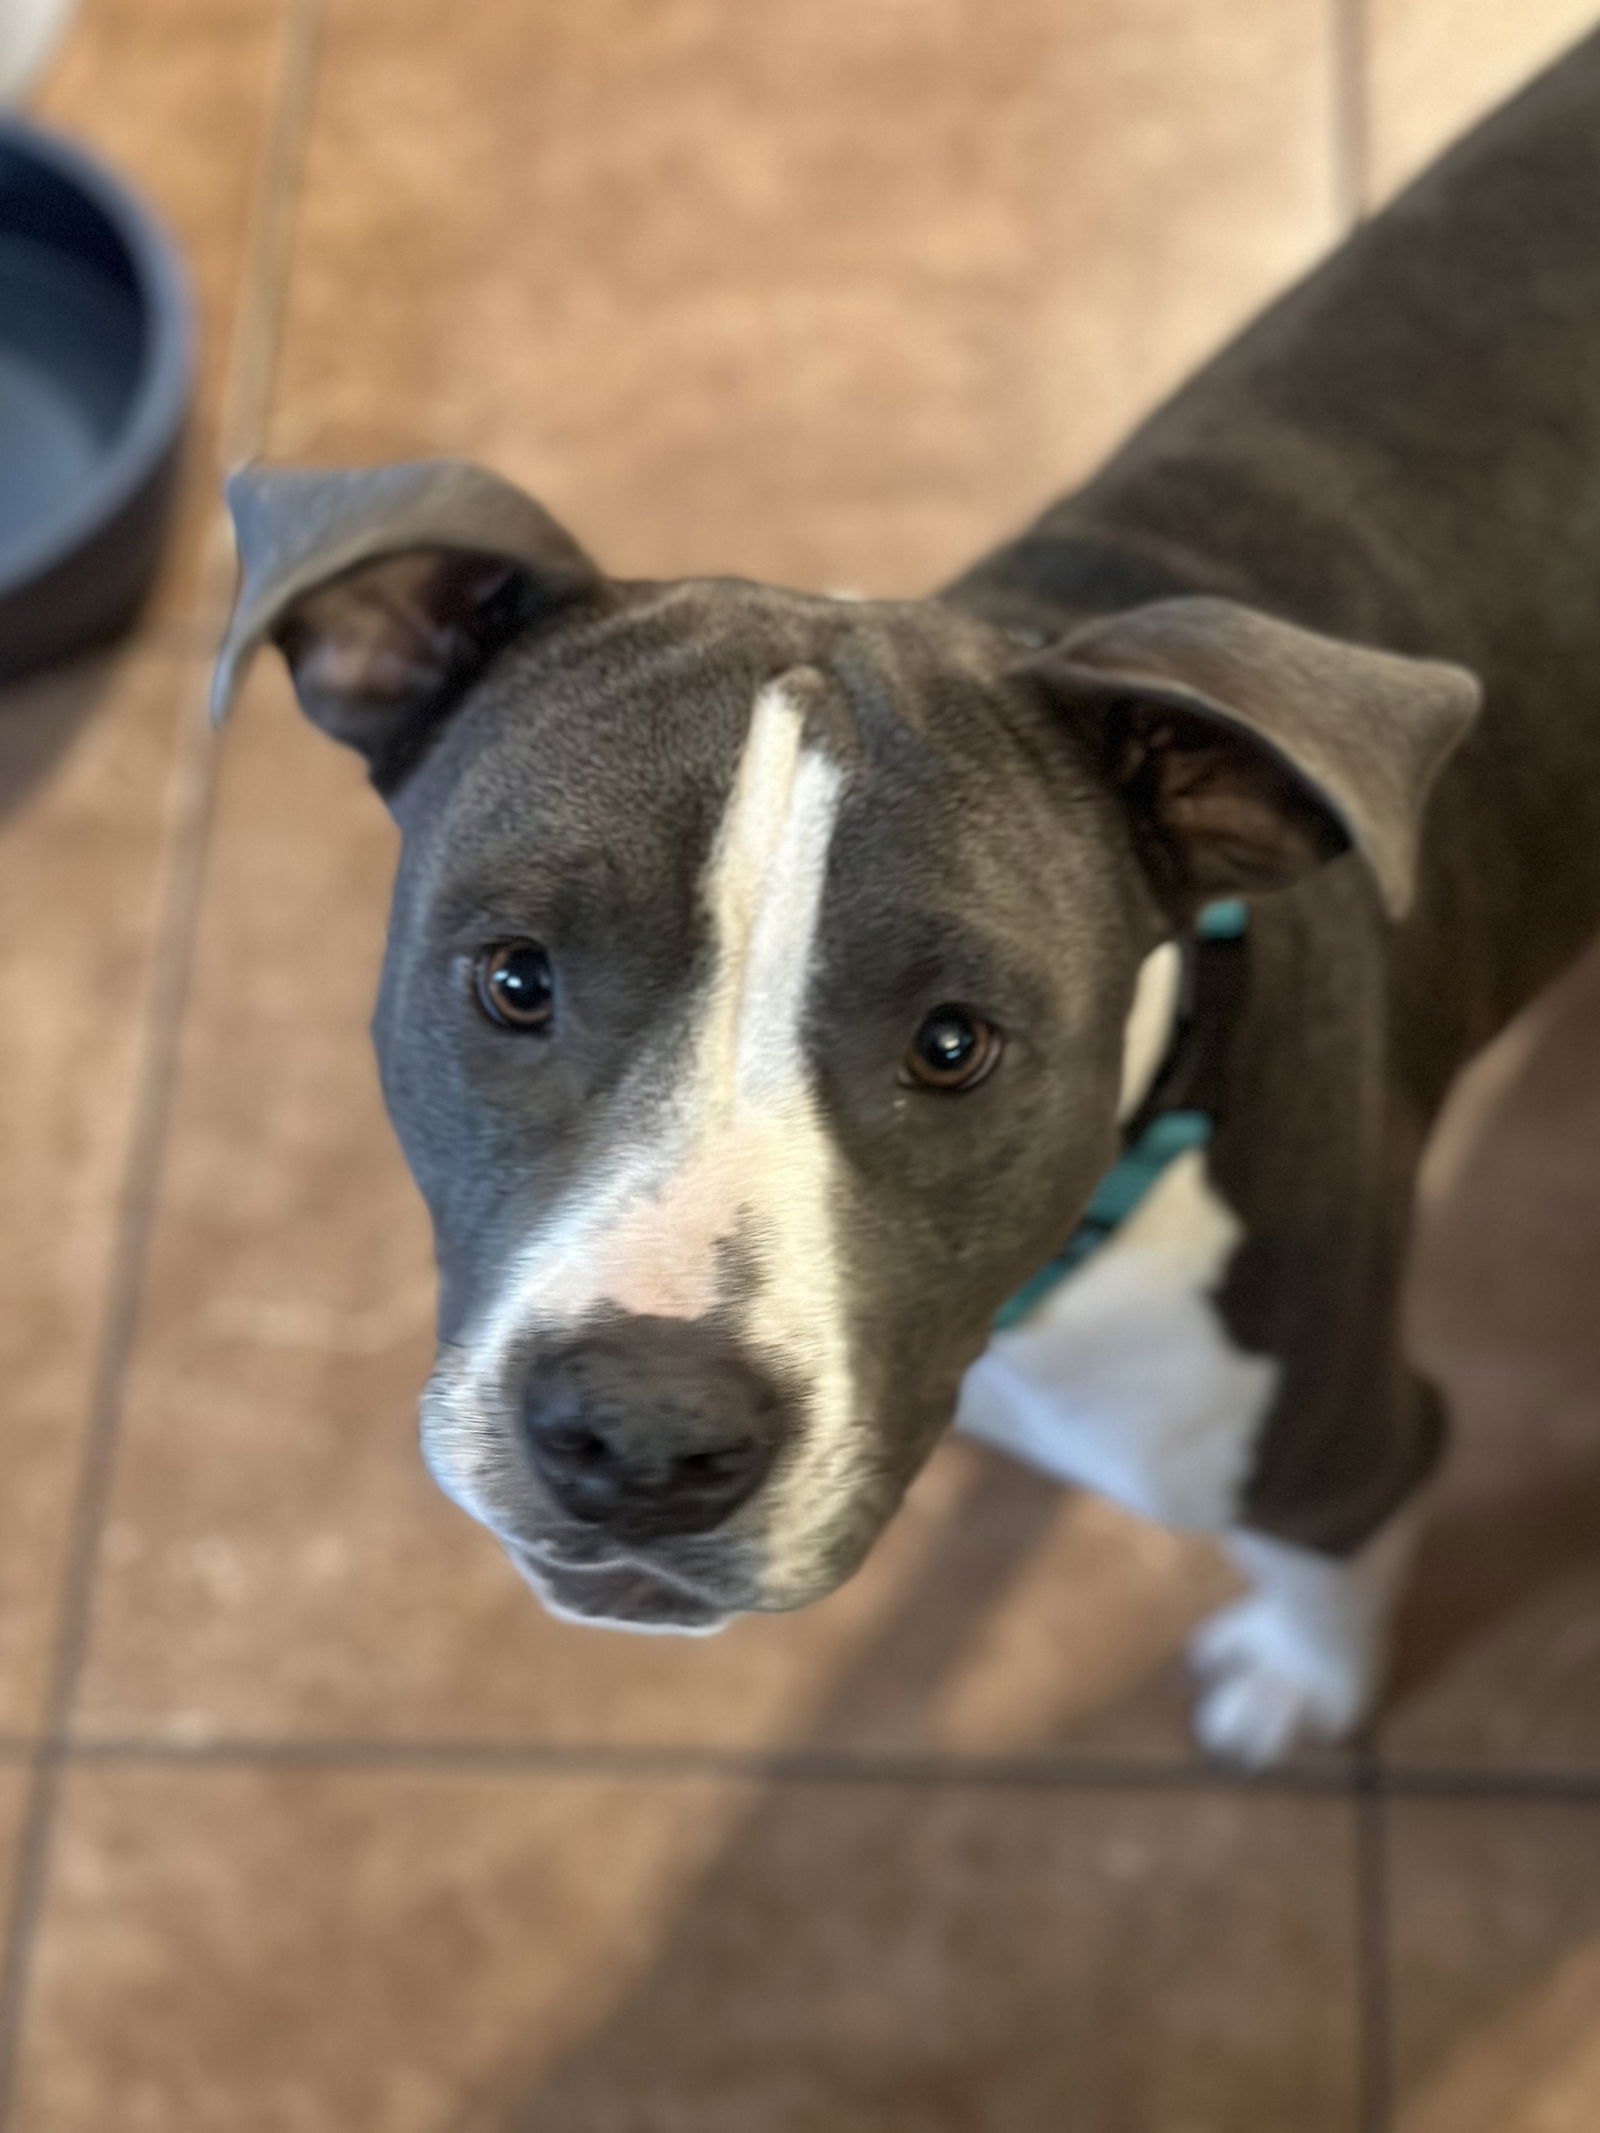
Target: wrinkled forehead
x=599, y=770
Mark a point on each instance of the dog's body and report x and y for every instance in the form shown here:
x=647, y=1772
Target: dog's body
x=1405, y=451
x=742, y=840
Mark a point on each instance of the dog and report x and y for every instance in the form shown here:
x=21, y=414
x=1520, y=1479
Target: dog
x=812, y=1022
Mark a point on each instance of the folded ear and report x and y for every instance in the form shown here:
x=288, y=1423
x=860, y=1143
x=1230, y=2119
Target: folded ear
x=388, y=591
x=1249, y=751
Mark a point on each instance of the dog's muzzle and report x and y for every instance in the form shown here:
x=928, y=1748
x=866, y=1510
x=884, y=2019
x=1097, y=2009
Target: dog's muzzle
x=649, y=1428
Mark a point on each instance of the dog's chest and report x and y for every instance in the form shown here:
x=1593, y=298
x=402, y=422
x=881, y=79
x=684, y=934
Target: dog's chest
x=1125, y=1378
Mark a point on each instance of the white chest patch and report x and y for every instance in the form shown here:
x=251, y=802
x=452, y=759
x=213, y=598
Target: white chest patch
x=1149, y=1026
x=1124, y=1379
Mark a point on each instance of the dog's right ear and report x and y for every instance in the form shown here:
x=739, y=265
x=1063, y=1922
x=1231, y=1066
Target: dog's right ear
x=389, y=590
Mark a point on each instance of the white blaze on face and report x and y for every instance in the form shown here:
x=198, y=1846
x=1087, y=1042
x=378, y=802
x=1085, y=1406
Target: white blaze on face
x=725, y=1196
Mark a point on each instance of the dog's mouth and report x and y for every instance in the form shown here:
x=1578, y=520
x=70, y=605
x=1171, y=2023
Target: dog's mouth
x=617, y=1595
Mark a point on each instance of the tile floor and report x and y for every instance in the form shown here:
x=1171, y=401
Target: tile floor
x=310, y=1821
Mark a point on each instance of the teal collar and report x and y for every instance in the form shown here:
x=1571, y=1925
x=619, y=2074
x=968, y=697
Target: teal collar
x=1180, y=1111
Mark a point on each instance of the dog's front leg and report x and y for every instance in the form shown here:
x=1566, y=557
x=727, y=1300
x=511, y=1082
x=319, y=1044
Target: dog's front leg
x=1304, y=1654
x=1306, y=1462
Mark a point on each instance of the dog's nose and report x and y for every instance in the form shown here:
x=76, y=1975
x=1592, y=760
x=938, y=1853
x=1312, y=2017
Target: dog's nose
x=651, y=1427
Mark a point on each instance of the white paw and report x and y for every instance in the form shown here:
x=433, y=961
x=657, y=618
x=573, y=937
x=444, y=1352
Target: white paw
x=1269, y=1686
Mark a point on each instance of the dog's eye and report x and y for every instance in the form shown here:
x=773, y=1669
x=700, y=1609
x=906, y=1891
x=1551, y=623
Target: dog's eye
x=953, y=1050
x=516, y=986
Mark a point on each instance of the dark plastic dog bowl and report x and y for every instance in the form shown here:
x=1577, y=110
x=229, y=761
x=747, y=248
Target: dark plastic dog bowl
x=94, y=383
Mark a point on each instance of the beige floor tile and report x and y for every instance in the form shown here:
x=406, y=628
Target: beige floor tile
x=827, y=295
x=85, y=767
x=175, y=96
x=1501, y=1656
x=276, y=1558
x=1497, y=1966
x=1436, y=66
x=406, y=1953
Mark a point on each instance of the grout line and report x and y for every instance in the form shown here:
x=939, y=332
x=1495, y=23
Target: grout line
x=247, y=404
x=246, y=407
x=783, y=1765
x=1352, y=177
x=900, y=1766
x=1374, y=1976
x=251, y=363
x=1443, y=1782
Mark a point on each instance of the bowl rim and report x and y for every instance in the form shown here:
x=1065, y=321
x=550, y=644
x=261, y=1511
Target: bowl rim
x=160, y=399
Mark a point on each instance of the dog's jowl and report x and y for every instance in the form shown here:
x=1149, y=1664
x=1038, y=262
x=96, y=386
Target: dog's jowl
x=813, y=1023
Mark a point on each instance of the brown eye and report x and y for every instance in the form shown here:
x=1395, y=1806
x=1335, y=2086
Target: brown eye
x=953, y=1050
x=516, y=986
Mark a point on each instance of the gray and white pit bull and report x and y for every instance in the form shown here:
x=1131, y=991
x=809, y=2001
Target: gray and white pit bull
x=770, y=975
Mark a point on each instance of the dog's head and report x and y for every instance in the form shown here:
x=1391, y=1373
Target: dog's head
x=755, y=1015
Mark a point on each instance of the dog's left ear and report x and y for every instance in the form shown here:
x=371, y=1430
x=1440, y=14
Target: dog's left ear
x=389, y=590
x=1249, y=751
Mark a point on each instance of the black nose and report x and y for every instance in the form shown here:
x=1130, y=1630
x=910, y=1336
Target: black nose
x=651, y=1426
